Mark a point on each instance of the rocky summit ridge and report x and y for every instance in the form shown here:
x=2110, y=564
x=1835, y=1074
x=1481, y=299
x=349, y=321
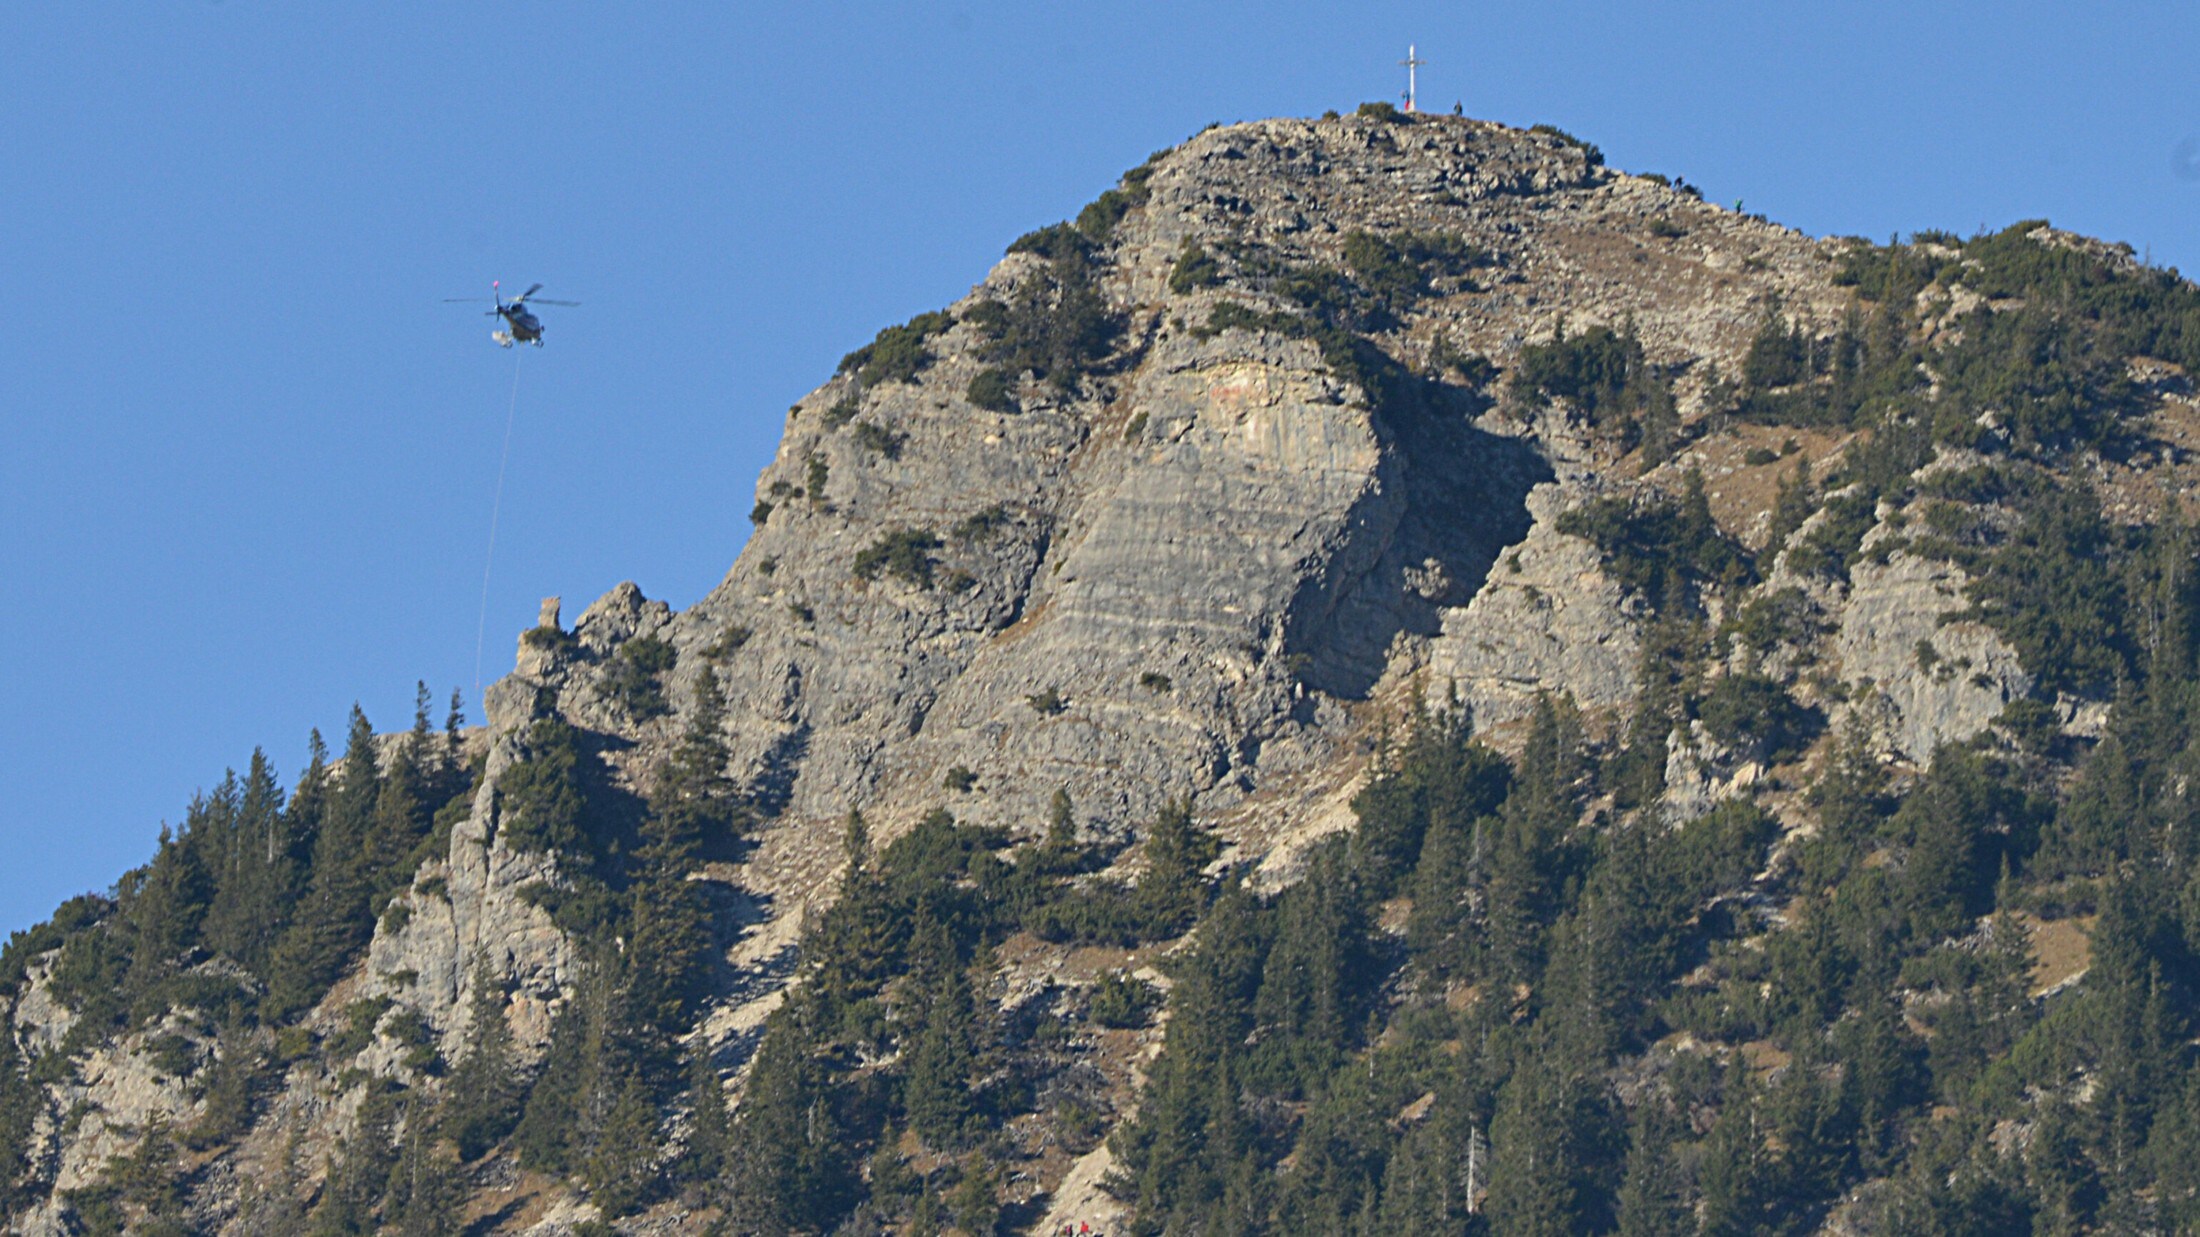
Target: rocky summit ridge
x=1198, y=501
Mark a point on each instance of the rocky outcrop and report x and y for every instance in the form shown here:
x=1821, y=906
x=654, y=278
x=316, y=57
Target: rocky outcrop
x=1928, y=676
x=1211, y=568
x=1219, y=543
x=1549, y=620
x=468, y=911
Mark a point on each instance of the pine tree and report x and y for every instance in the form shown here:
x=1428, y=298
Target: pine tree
x=358, y=777
x=1436, y=781
x=975, y=1201
x=1629, y=926
x=669, y=939
x=710, y=1133
x=2169, y=623
x=1814, y=1137
x=1174, y=888
x=231, y=1091
x=543, y=805
x=404, y=808
x=857, y=945
x=1527, y=860
x=272, y=868
x=698, y=804
x=1850, y=798
x=1738, y=1181
x=1181, y=1151
x=595, y=1050
x=148, y=1195
x=1587, y=992
x=21, y=1103
x=1810, y=970
x=166, y=907
x=1437, y=795
x=1636, y=774
x=1424, y=1187
x=1987, y=1013
x=1793, y=501
x=2173, y=1148
x=1556, y=1148
x=936, y=1082
x=1947, y=877
x=544, y=1135
x=307, y=811
x=453, y=765
x=1653, y=1193
x=484, y=1093
x=1061, y=831
x=2096, y=827
x=214, y=820
x=2065, y=1185
x=695, y=804
x=1447, y=894
x=620, y=1168
x=399, y=822
x=335, y=919
x=1881, y=1076
x=424, y=1195
x=1313, y=989
x=359, y=1171
x=788, y=1171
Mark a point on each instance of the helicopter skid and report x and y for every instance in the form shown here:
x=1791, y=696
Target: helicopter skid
x=503, y=338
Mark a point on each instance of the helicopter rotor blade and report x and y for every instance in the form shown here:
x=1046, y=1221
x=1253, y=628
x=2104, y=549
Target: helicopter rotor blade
x=539, y=301
x=524, y=295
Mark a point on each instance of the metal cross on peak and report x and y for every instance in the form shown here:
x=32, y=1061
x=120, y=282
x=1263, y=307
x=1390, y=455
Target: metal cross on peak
x=1411, y=62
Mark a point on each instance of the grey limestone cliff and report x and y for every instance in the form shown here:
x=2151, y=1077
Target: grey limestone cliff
x=1211, y=567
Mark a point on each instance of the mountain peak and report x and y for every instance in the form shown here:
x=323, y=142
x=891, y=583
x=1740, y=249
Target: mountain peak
x=1543, y=529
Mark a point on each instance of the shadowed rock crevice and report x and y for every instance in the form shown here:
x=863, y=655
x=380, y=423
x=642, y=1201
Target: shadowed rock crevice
x=1451, y=497
x=773, y=784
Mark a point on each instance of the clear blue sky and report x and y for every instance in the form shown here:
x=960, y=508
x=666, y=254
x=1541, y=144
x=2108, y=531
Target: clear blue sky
x=247, y=455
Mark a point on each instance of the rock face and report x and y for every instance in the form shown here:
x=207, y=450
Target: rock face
x=1223, y=514
x=1209, y=569
x=1939, y=681
x=467, y=912
x=1548, y=620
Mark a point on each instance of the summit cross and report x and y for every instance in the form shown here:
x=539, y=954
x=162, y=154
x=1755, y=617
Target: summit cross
x=1412, y=62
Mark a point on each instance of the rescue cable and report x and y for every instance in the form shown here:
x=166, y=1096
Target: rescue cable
x=481, y=625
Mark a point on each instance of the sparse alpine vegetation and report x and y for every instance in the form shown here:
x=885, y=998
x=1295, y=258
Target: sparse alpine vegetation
x=907, y=554
x=1765, y=700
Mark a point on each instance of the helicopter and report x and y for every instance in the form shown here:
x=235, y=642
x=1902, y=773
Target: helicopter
x=522, y=326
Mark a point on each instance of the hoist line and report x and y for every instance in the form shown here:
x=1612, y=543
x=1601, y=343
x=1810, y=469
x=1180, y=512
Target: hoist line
x=496, y=508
